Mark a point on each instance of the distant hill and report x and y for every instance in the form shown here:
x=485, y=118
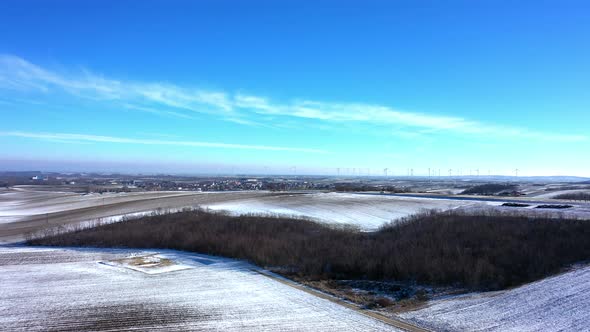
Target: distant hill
x=20, y=173
x=504, y=178
x=491, y=189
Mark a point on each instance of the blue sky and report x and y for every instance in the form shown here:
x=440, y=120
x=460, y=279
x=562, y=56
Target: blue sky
x=274, y=86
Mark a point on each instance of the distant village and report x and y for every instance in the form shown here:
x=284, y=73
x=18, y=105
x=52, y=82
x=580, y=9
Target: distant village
x=104, y=183
x=123, y=183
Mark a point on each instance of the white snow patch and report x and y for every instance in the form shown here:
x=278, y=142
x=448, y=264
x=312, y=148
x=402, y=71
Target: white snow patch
x=369, y=212
x=560, y=303
x=57, y=289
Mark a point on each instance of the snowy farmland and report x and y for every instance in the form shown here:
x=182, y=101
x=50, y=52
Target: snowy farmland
x=20, y=202
x=77, y=290
x=366, y=211
x=73, y=289
x=560, y=303
x=24, y=210
x=103, y=289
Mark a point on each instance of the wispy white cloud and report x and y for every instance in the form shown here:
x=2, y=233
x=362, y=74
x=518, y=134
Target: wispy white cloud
x=158, y=111
x=172, y=100
x=386, y=116
x=74, y=138
x=17, y=73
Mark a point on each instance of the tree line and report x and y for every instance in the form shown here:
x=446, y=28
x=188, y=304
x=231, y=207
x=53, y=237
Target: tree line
x=487, y=251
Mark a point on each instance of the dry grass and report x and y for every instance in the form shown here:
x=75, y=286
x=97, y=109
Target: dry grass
x=367, y=299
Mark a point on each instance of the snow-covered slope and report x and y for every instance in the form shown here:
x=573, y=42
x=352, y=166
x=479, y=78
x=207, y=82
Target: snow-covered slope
x=366, y=211
x=69, y=290
x=560, y=303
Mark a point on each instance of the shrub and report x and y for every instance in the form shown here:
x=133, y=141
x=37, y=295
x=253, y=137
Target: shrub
x=383, y=302
x=553, y=206
x=516, y=204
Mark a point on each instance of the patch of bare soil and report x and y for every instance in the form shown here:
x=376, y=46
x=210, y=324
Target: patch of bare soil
x=149, y=261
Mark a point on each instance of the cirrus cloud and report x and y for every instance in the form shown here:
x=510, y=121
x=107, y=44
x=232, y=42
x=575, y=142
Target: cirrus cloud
x=186, y=102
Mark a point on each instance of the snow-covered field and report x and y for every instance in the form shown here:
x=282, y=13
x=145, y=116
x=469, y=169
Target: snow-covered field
x=366, y=211
x=73, y=289
x=552, y=194
x=26, y=210
x=26, y=202
x=560, y=303
x=102, y=289
x=70, y=290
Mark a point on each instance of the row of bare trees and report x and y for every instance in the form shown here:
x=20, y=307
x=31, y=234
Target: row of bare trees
x=575, y=196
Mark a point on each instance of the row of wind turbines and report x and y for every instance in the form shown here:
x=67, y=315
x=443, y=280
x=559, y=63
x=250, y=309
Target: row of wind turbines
x=432, y=172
